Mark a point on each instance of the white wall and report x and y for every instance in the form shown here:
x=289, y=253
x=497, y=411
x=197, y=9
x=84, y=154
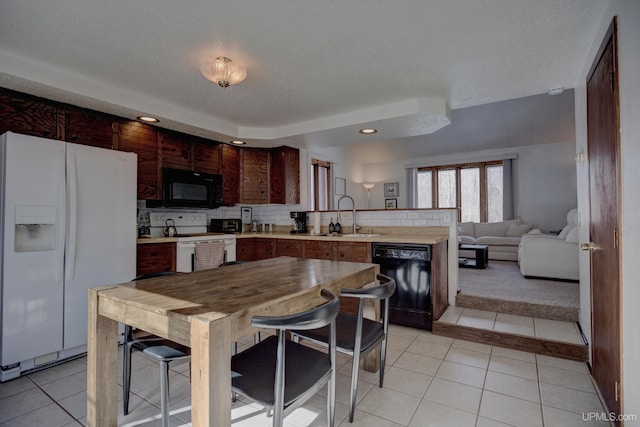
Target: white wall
x=628, y=12
x=545, y=179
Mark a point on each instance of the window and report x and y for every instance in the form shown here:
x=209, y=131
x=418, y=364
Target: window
x=475, y=188
x=320, y=185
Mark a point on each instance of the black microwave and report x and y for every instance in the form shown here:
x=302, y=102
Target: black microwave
x=188, y=189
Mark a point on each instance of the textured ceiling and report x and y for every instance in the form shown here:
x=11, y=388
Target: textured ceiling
x=317, y=70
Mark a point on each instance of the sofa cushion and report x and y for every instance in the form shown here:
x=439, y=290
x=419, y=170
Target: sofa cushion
x=563, y=234
x=517, y=230
x=466, y=229
x=498, y=240
x=572, y=236
x=466, y=240
x=493, y=228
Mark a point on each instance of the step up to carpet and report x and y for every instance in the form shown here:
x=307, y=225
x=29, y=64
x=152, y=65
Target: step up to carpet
x=501, y=288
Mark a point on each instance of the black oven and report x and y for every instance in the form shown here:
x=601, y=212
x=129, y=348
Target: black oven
x=187, y=189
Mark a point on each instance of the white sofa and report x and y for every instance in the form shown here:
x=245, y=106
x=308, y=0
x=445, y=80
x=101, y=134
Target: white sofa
x=503, y=238
x=549, y=255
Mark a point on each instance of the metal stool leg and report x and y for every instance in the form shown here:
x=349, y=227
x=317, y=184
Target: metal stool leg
x=126, y=377
x=164, y=393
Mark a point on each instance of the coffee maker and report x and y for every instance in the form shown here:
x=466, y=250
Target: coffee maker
x=299, y=223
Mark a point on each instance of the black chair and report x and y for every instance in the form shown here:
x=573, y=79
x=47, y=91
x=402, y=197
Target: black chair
x=160, y=350
x=357, y=336
x=156, y=348
x=282, y=374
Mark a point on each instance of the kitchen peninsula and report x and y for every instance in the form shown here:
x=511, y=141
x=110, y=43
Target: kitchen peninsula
x=258, y=246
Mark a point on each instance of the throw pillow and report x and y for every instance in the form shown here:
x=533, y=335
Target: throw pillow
x=517, y=230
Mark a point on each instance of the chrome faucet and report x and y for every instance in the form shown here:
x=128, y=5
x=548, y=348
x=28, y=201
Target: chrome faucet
x=354, y=210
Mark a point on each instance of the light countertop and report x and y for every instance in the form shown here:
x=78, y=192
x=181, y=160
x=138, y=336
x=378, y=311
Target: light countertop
x=417, y=235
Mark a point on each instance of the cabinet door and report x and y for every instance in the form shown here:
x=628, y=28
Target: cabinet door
x=354, y=251
x=294, y=248
x=206, y=157
x=89, y=128
x=142, y=139
x=245, y=249
x=320, y=249
x=285, y=175
x=28, y=115
x=176, y=151
x=264, y=248
x=156, y=257
x=230, y=175
x=255, y=176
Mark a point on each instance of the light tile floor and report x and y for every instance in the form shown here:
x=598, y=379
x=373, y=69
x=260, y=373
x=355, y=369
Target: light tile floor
x=430, y=380
x=510, y=323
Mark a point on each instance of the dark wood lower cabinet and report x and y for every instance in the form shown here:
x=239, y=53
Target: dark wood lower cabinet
x=320, y=249
x=294, y=248
x=264, y=249
x=155, y=257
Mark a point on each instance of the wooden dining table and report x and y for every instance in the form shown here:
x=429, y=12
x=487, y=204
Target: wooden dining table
x=206, y=310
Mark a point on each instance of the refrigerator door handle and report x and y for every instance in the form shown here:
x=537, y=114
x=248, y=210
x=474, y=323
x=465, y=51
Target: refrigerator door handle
x=62, y=215
x=73, y=206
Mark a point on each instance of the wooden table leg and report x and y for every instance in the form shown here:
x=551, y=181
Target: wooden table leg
x=102, y=367
x=211, y=372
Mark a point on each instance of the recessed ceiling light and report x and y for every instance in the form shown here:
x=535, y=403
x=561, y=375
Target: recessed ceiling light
x=368, y=131
x=238, y=142
x=556, y=90
x=148, y=119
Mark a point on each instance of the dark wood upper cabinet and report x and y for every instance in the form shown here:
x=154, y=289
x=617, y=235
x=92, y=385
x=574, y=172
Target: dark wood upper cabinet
x=176, y=151
x=230, y=174
x=29, y=115
x=88, y=127
x=142, y=139
x=285, y=175
x=206, y=157
x=250, y=175
x=182, y=151
x=255, y=175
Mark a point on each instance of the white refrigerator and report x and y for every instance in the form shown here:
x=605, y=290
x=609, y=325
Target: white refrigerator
x=67, y=217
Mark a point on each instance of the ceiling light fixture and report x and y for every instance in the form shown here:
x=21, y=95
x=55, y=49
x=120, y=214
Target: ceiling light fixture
x=223, y=71
x=556, y=90
x=148, y=119
x=238, y=142
x=368, y=131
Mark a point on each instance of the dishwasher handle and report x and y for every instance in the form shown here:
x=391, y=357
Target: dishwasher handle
x=415, y=252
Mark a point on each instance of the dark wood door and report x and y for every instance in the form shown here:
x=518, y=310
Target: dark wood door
x=604, y=152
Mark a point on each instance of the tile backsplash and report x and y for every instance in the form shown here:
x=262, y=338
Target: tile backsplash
x=279, y=215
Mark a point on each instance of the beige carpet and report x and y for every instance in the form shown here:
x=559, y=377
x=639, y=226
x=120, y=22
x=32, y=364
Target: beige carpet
x=501, y=288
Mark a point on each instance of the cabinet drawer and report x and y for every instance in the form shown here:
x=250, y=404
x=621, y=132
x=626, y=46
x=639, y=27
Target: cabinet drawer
x=293, y=248
x=320, y=250
x=156, y=257
x=354, y=251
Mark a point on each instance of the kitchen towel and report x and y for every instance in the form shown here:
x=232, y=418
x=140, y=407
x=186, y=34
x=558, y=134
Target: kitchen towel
x=208, y=255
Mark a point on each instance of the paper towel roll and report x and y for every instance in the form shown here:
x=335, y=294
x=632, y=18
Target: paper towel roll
x=316, y=223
